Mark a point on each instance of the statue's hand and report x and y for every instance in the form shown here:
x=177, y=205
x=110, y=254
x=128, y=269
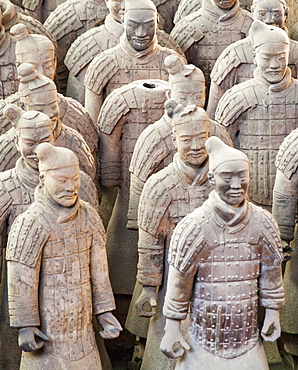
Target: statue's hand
x=148, y=295
x=111, y=326
x=173, y=343
x=271, y=321
x=27, y=340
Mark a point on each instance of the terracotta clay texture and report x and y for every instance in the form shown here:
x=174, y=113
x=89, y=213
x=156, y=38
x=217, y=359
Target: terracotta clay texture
x=155, y=149
x=138, y=56
x=167, y=197
x=167, y=10
x=39, y=92
x=261, y=112
x=203, y=35
x=68, y=21
x=65, y=229
x=40, y=9
x=235, y=64
x=225, y=258
x=87, y=46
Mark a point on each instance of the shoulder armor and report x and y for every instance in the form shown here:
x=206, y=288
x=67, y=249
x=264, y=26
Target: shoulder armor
x=27, y=236
x=234, y=102
x=187, y=31
x=94, y=220
x=185, y=8
x=5, y=123
x=87, y=191
x=187, y=240
x=101, y=70
x=230, y=58
x=166, y=40
x=293, y=56
x=30, y=4
x=217, y=130
x=6, y=180
x=8, y=150
x=287, y=157
x=155, y=200
x=63, y=20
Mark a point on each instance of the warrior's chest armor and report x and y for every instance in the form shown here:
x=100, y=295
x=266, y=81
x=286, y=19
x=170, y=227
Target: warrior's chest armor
x=8, y=70
x=263, y=128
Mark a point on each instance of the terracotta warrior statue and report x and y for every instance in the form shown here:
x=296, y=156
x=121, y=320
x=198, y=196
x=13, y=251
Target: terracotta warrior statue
x=63, y=269
x=68, y=21
x=284, y=210
x=39, y=93
x=154, y=148
x=167, y=197
x=225, y=258
x=204, y=34
x=94, y=41
x=236, y=64
x=138, y=56
x=261, y=112
x=10, y=17
x=17, y=193
x=40, y=9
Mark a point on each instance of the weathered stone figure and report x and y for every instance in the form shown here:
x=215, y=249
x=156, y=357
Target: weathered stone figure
x=60, y=272
x=204, y=34
x=39, y=93
x=167, y=197
x=137, y=57
x=262, y=111
x=236, y=64
x=225, y=257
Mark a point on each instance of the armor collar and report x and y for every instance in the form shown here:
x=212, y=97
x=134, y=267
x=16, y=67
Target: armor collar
x=9, y=16
x=228, y=215
x=56, y=211
x=221, y=15
x=134, y=53
x=191, y=175
x=113, y=27
x=278, y=87
x=27, y=175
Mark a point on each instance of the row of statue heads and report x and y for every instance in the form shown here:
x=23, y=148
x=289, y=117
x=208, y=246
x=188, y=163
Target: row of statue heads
x=191, y=254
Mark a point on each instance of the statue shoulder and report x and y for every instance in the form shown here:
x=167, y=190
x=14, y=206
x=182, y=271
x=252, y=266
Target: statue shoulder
x=287, y=157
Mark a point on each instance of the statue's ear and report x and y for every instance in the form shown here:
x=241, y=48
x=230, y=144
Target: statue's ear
x=16, y=141
x=211, y=178
x=41, y=179
x=254, y=57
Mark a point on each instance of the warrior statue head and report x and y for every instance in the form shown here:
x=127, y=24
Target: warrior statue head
x=190, y=130
x=187, y=82
x=59, y=173
x=140, y=22
x=116, y=9
x=271, y=12
x=37, y=50
x=224, y=4
x=271, y=50
x=32, y=128
x=228, y=171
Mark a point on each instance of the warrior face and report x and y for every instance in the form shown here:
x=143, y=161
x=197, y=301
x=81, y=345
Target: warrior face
x=28, y=139
x=231, y=181
x=225, y=4
x=189, y=139
x=140, y=28
x=62, y=185
x=271, y=12
x=44, y=62
x=272, y=60
x=116, y=9
x=189, y=93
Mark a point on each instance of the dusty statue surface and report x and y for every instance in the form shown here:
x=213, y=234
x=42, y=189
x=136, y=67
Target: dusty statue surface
x=53, y=334
x=272, y=95
x=167, y=197
x=236, y=63
x=39, y=93
x=204, y=34
x=40, y=9
x=138, y=56
x=225, y=258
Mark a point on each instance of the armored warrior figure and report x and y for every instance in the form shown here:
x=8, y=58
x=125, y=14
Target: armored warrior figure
x=40, y=9
x=154, y=149
x=167, y=197
x=284, y=210
x=68, y=21
x=261, y=112
x=39, y=93
x=60, y=272
x=204, y=34
x=225, y=257
x=10, y=17
x=138, y=56
x=235, y=64
x=95, y=41
x=17, y=193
